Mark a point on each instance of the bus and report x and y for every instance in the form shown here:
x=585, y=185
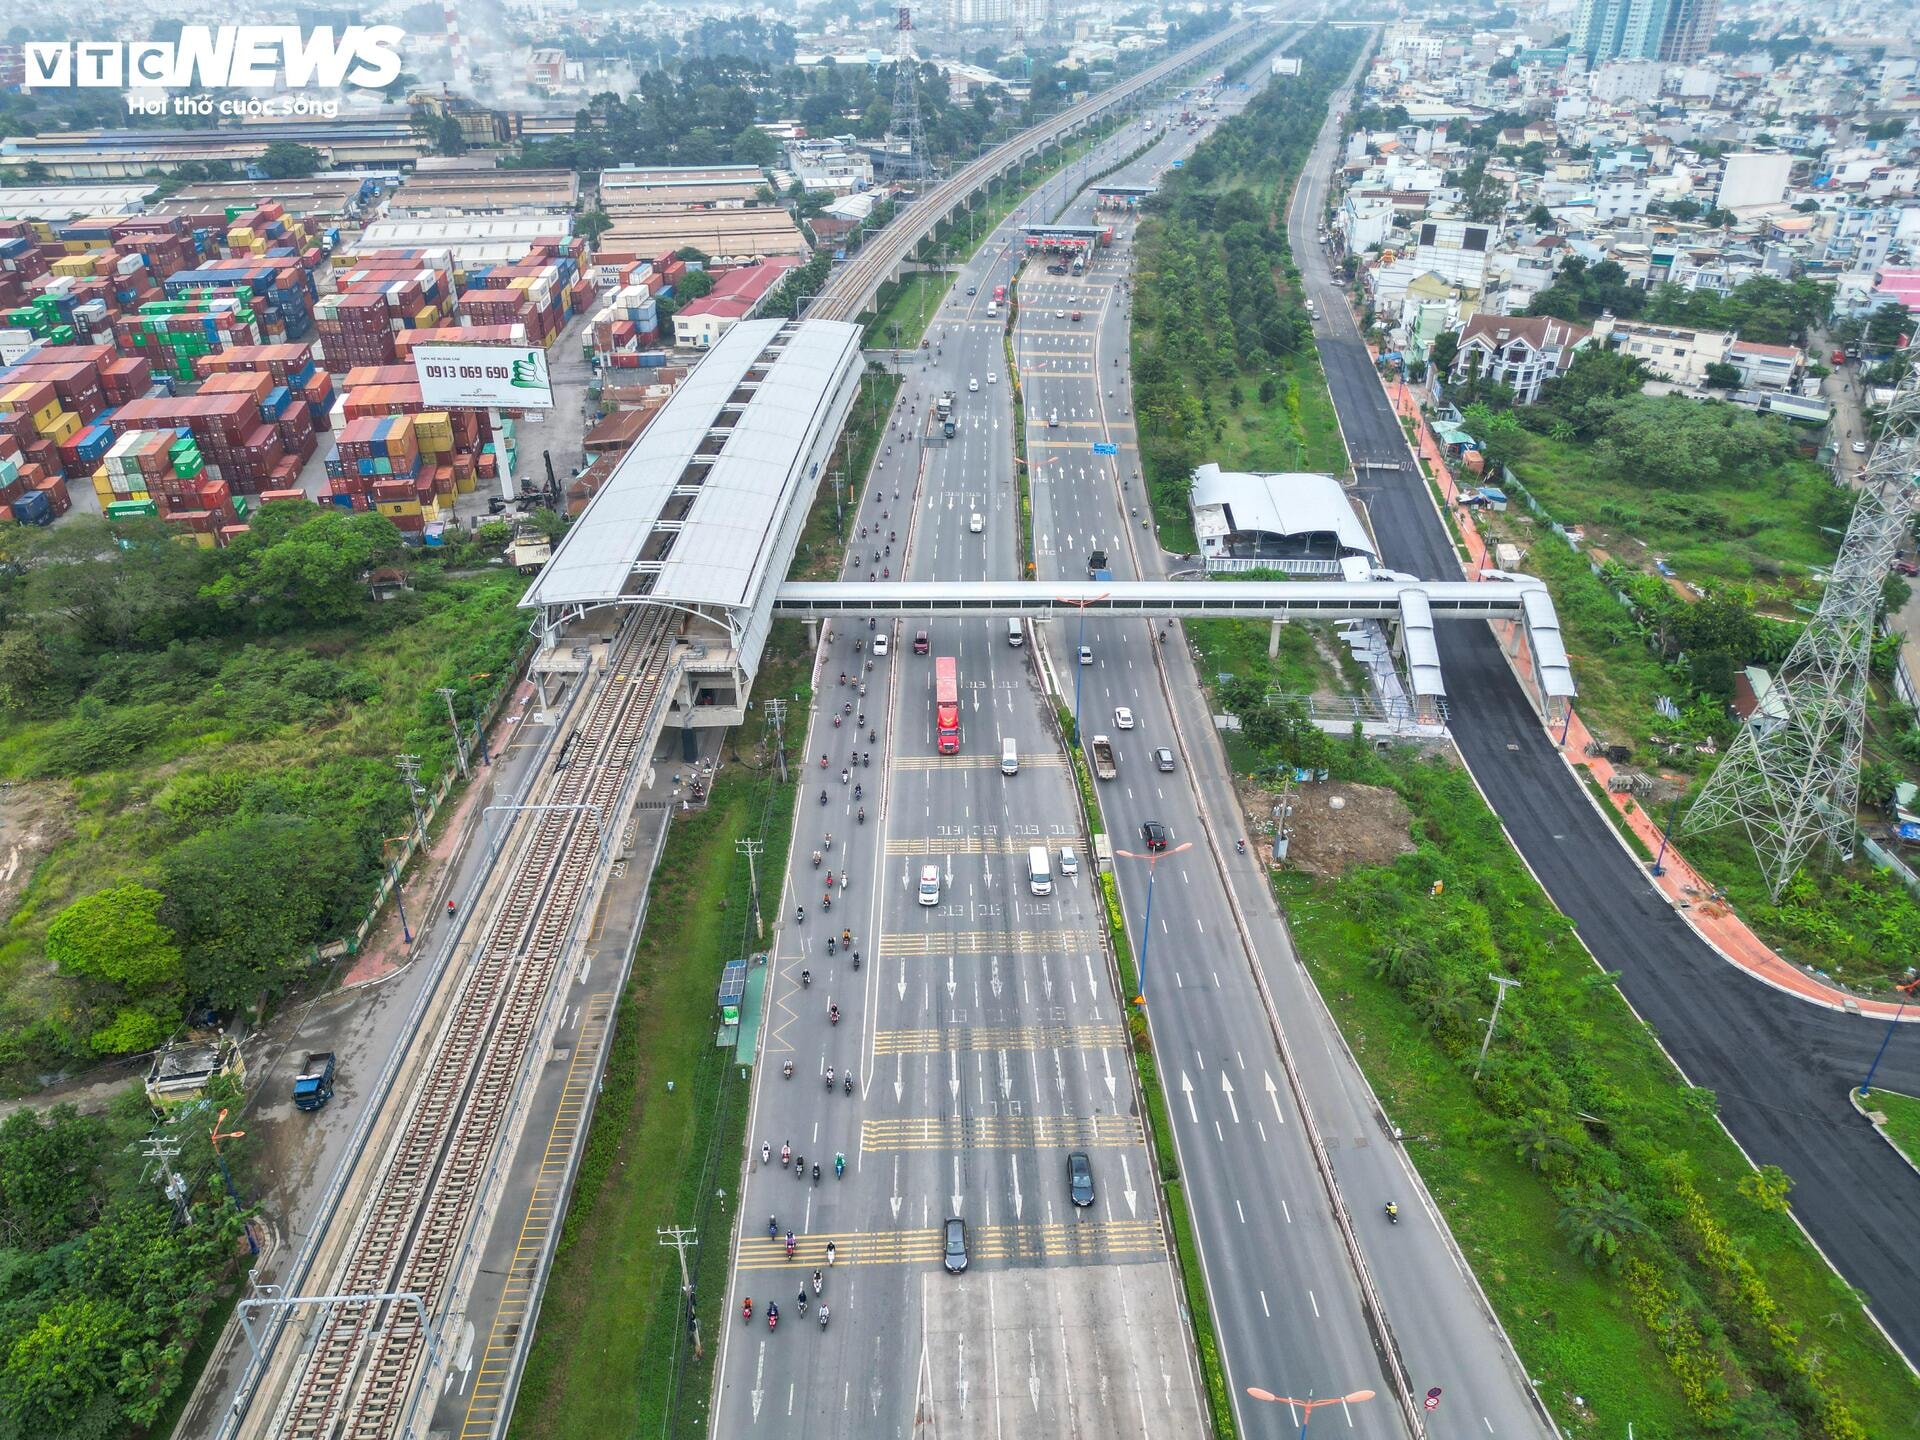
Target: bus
x=946, y=705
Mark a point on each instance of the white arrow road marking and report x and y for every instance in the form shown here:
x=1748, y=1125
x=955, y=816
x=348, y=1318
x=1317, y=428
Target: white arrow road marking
x=1106, y=1059
x=899, y=1077
x=896, y=1187
x=953, y=1083
x=955, y=1197
x=952, y=983
x=1273, y=1094
x=1126, y=1173
x=1186, y=1089
x=1226, y=1088
x=902, y=986
x=759, y=1371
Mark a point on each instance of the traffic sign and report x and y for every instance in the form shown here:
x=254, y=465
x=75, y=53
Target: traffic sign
x=1432, y=1401
x=1105, y=447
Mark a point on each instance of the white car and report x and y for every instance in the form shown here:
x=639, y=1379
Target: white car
x=1859, y=447
x=975, y=523
x=929, y=885
x=1059, y=314
x=973, y=383
x=993, y=377
x=1086, y=655
x=1123, y=718
x=880, y=645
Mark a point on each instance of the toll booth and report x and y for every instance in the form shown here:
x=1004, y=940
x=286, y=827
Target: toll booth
x=1073, y=242
x=1120, y=197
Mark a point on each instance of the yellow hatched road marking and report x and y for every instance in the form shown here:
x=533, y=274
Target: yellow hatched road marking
x=984, y=1242
x=1000, y=1132
x=988, y=942
x=995, y=1037
x=516, y=1295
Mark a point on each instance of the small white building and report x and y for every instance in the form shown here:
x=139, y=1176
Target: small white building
x=1300, y=523
x=1670, y=352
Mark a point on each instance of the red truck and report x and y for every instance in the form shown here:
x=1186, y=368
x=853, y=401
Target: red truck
x=946, y=705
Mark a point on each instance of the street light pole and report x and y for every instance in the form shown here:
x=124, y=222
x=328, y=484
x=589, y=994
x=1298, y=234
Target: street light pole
x=1673, y=817
x=1505, y=985
x=1079, y=645
x=1153, y=859
x=1308, y=1406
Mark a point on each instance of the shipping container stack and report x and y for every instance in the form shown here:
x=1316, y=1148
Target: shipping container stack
x=377, y=465
x=173, y=334
x=29, y=492
x=290, y=365
x=456, y=447
x=379, y=295
x=628, y=323
x=279, y=291
x=538, y=293
x=241, y=424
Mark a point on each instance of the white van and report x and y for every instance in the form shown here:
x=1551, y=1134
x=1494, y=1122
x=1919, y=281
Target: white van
x=1016, y=633
x=1009, y=758
x=929, y=884
x=993, y=311
x=1039, y=870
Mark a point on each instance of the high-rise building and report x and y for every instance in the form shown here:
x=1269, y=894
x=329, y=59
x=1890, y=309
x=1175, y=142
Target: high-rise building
x=1665, y=30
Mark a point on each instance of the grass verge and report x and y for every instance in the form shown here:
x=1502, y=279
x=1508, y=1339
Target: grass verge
x=1636, y=1258
x=823, y=540
x=1902, y=1126
x=611, y=1354
x=911, y=304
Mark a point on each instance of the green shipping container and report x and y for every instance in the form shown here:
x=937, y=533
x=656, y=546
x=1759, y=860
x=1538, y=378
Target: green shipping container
x=132, y=510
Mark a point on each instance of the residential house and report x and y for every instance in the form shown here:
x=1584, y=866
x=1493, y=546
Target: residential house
x=1766, y=367
x=1521, y=351
x=1670, y=352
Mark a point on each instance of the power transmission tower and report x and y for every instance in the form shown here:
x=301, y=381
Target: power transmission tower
x=903, y=128
x=1792, y=776
x=1019, y=8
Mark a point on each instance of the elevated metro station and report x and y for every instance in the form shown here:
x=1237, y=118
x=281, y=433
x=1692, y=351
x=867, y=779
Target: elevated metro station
x=699, y=523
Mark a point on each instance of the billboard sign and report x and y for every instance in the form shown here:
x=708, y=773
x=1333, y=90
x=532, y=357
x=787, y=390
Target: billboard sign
x=504, y=377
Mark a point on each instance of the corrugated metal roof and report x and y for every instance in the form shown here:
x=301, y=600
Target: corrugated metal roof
x=1417, y=640
x=721, y=547
x=69, y=202
x=1282, y=504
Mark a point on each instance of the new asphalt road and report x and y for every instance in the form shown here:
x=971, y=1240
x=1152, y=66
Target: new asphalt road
x=1779, y=1067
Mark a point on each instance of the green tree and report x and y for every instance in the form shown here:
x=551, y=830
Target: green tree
x=25, y=670
x=1722, y=376
x=301, y=563
x=250, y=896
x=1599, y=1224
x=63, y=1369
x=1540, y=218
x=285, y=160
x=48, y=1164
x=114, y=940
x=1499, y=435
x=1446, y=349
x=592, y=225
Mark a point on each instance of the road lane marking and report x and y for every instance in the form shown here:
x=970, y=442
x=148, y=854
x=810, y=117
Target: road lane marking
x=1000, y=1132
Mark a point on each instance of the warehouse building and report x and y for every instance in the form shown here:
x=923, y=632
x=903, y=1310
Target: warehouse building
x=736, y=296
x=636, y=189
x=725, y=237
x=328, y=199
x=486, y=192
x=44, y=203
x=476, y=241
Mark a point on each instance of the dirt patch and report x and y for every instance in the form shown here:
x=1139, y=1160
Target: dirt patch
x=34, y=817
x=1368, y=826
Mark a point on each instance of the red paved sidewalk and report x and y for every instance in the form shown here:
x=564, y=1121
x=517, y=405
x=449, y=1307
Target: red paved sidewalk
x=423, y=890
x=1683, y=887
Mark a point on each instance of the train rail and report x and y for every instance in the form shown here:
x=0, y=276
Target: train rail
x=852, y=288
x=356, y=1378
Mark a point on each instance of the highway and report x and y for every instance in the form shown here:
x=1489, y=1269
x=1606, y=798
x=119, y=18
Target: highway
x=1284, y=1292
x=985, y=1030
x=850, y=291
x=1779, y=1067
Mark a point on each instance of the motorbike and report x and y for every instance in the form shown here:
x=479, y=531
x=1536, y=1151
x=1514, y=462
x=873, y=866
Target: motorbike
x=850, y=1073
x=839, y=1169
x=773, y=1316
x=816, y=1172
x=833, y=1018
x=1393, y=1213
x=863, y=815
x=786, y=1071
x=816, y=859
x=746, y=1309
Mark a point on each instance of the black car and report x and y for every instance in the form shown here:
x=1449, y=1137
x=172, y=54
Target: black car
x=973, y=290
x=1154, y=834
x=1080, y=1178
x=956, y=1258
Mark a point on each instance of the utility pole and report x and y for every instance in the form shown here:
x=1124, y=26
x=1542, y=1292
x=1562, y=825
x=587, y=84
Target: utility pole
x=1505, y=985
x=777, y=713
x=162, y=1149
x=680, y=1238
x=459, y=740
x=409, y=767
x=751, y=849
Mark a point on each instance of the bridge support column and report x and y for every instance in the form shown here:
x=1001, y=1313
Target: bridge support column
x=813, y=632
x=1273, y=638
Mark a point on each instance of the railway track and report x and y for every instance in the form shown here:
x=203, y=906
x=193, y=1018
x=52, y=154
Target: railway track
x=356, y=1379
x=852, y=288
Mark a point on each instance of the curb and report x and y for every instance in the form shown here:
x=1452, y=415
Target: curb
x=1853, y=1096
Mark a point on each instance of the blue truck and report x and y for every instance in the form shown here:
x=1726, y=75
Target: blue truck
x=313, y=1086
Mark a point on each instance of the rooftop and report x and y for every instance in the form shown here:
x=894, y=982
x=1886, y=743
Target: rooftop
x=692, y=511
x=1292, y=503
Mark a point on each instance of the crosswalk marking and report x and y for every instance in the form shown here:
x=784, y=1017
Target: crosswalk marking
x=1000, y=1132
x=989, y=942
x=1059, y=1240
x=970, y=762
x=969, y=845
x=930, y=1041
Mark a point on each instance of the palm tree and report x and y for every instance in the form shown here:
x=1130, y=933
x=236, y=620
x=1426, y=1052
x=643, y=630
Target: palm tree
x=1541, y=1143
x=1598, y=1223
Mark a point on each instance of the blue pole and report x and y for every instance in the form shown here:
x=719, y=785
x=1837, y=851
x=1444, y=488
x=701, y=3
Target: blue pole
x=1672, y=816
x=1146, y=930
x=405, y=930
x=1885, y=1040
x=1079, y=739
